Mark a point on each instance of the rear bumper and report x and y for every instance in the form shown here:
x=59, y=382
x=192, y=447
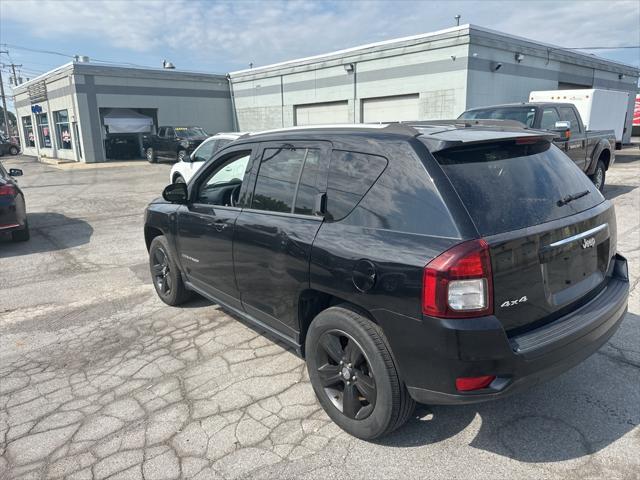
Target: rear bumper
x=11, y=217
x=474, y=347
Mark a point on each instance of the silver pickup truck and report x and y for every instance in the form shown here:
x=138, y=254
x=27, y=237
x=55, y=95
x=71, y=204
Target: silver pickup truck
x=592, y=150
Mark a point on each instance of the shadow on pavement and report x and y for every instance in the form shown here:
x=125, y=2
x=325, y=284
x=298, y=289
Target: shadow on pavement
x=579, y=413
x=613, y=191
x=69, y=232
x=627, y=158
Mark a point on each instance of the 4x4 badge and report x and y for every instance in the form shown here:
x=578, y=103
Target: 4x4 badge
x=588, y=242
x=511, y=303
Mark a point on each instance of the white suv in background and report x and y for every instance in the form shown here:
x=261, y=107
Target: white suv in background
x=183, y=170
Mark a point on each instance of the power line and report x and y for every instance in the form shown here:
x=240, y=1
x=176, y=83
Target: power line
x=52, y=52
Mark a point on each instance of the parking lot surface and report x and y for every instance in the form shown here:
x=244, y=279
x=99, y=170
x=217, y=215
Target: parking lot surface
x=100, y=379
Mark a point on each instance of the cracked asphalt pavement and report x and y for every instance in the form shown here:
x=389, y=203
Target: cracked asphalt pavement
x=100, y=379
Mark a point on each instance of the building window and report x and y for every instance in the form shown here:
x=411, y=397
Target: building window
x=63, y=132
x=27, y=130
x=44, y=134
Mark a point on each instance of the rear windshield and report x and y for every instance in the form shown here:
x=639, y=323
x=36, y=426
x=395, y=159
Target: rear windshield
x=507, y=186
x=524, y=115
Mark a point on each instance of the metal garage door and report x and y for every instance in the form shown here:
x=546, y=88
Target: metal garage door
x=322, y=113
x=390, y=109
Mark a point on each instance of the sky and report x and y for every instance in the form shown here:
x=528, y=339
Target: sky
x=222, y=36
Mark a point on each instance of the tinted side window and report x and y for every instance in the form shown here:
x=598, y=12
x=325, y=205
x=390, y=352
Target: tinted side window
x=549, y=118
x=277, y=179
x=567, y=113
x=351, y=175
x=169, y=132
x=161, y=131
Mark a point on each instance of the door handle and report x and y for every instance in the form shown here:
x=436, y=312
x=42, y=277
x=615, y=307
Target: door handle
x=219, y=225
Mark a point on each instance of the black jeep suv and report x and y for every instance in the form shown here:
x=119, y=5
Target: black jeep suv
x=438, y=264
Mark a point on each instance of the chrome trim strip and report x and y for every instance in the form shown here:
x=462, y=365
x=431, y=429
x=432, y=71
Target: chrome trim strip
x=580, y=236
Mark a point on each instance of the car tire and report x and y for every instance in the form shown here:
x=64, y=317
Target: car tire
x=151, y=155
x=181, y=155
x=21, y=235
x=599, y=175
x=179, y=179
x=376, y=406
x=14, y=150
x=165, y=274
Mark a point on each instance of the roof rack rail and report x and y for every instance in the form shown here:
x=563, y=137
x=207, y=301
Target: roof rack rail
x=468, y=123
x=401, y=128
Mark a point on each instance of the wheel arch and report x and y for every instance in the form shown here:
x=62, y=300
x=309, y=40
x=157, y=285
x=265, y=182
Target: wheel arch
x=601, y=149
x=150, y=233
x=311, y=302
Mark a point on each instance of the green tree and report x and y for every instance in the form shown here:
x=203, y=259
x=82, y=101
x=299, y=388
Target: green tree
x=12, y=122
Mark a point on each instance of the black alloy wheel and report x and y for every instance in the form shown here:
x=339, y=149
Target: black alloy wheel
x=346, y=375
x=165, y=273
x=161, y=270
x=353, y=374
x=14, y=150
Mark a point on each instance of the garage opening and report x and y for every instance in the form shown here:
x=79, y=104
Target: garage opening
x=124, y=129
x=390, y=109
x=322, y=113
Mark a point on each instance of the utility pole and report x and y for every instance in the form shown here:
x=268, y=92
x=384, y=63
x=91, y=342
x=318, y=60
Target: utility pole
x=4, y=98
x=15, y=77
x=4, y=107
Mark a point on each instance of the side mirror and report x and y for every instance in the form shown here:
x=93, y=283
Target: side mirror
x=563, y=129
x=15, y=172
x=188, y=158
x=176, y=193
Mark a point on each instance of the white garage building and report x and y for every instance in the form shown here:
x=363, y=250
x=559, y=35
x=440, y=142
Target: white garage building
x=89, y=112
x=424, y=77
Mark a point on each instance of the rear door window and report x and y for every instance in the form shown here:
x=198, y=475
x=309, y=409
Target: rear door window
x=549, y=118
x=567, y=113
x=351, y=175
x=277, y=179
x=507, y=186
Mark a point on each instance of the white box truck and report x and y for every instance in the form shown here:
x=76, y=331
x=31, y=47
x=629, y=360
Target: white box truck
x=599, y=109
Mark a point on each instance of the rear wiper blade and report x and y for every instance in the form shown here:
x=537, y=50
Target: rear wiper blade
x=571, y=197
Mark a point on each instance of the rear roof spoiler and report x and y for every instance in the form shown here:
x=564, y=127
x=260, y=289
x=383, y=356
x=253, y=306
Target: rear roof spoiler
x=468, y=123
x=436, y=143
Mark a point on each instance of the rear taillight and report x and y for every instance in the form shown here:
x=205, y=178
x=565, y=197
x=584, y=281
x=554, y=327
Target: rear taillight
x=458, y=283
x=7, y=190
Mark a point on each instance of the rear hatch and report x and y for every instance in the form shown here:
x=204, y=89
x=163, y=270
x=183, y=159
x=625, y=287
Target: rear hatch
x=551, y=233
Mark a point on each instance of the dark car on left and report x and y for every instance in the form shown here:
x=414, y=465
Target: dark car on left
x=8, y=146
x=13, y=211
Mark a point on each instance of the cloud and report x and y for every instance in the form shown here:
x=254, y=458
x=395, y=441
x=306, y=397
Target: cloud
x=236, y=33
